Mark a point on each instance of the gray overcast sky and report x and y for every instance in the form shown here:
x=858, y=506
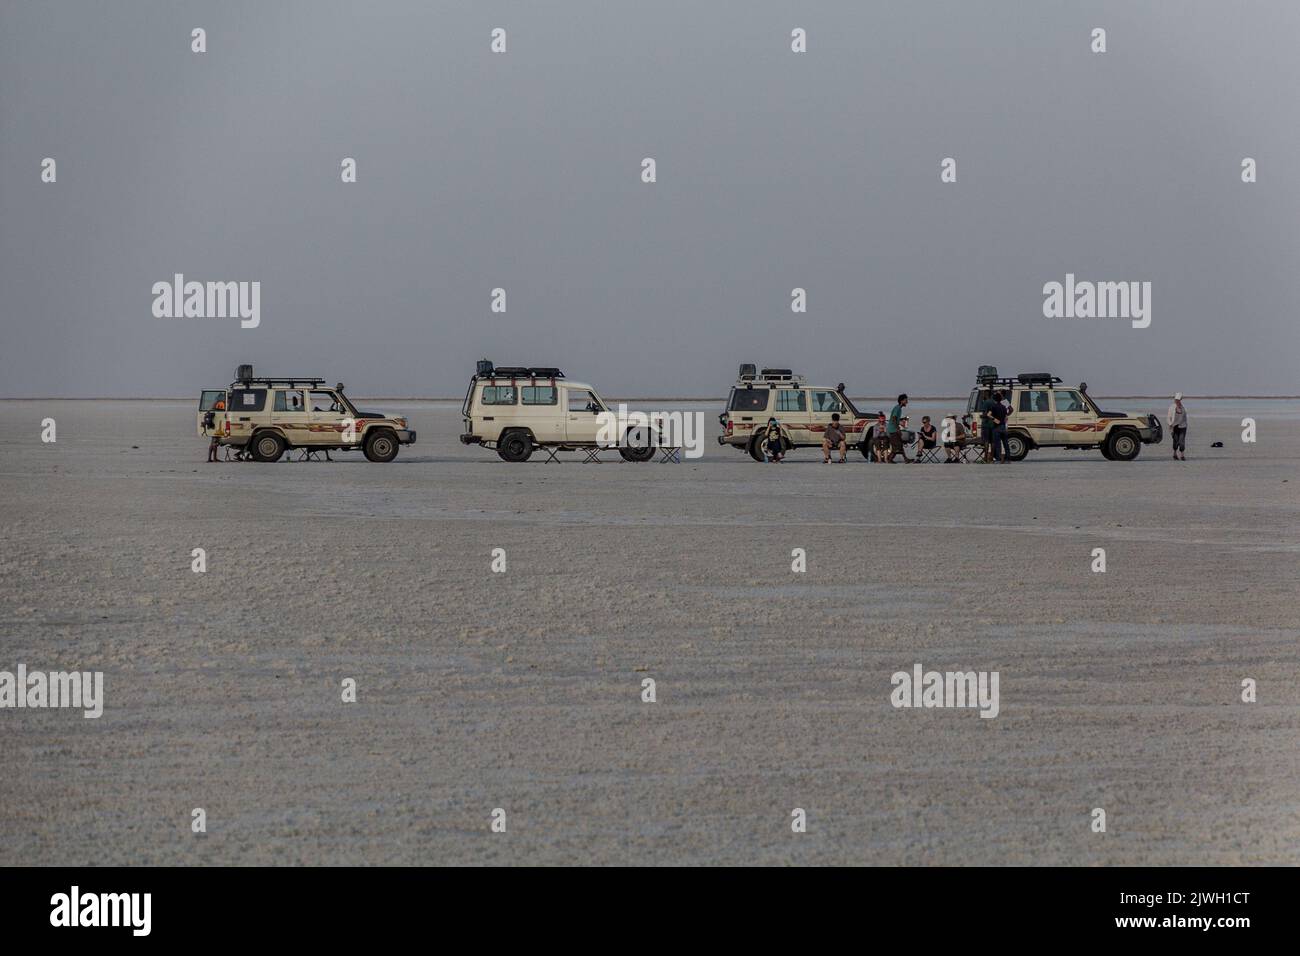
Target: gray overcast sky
x=775, y=170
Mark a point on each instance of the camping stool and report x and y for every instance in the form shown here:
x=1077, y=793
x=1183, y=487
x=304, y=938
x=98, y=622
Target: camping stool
x=552, y=454
x=928, y=454
x=670, y=454
x=593, y=454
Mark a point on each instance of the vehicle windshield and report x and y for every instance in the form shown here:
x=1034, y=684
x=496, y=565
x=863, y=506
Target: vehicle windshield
x=853, y=409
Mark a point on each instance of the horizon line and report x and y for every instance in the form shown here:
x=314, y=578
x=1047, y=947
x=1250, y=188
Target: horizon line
x=651, y=398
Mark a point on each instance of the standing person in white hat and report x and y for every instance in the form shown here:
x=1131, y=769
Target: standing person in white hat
x=1178, y=427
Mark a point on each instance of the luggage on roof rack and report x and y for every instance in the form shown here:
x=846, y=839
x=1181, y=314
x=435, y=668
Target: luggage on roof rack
x=748, y=371
x=1037, y=378
x=522, y=371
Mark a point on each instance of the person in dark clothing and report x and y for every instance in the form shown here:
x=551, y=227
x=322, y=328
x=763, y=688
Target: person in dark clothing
x=926, y=437
x=988, y=410
x=833, y=439
x=772, y=444
x=1001, y=445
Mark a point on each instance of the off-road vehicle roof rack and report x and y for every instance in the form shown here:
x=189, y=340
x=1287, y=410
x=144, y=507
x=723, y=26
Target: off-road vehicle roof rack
x=244, y=376
x=750, y=374
x=486, y=369
x=987, y=377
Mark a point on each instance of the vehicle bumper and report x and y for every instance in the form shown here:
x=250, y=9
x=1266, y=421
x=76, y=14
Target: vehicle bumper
x=406, y=436
x=468, y=439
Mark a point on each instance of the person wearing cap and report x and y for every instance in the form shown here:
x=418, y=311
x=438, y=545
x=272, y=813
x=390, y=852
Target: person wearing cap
x=1177, y=419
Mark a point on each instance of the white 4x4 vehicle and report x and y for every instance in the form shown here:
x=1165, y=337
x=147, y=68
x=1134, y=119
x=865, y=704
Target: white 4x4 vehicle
x=267, y=416
x=803, y=412
x=517, y=409
x=1048, y=414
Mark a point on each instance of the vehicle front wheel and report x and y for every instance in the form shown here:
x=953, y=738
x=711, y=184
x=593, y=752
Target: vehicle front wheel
x=756, y=448
x=515, y=446
x=1017, y=447
x=381, y=446
x=638, y=445
x=868, y=442
x=1124, y=446
x=268, y=446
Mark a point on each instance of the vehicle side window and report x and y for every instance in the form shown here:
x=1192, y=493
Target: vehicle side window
x=210, y=397
x=972, y=406
x=247, y=399
x=827, y=402
x=540, y=395
x=1033, y=400
x=1069, y=401
x=289, y=400
x=326, y=402
x=792, y=400
x=749, y=400
x=581, y=400
x=498, y=395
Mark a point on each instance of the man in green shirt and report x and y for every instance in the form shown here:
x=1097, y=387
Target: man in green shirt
x=893, y=430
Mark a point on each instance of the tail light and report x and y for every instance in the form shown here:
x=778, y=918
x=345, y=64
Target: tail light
x=227, y=426
x=727, y=430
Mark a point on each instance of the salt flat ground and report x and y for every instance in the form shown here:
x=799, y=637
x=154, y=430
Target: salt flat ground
x=522, y=690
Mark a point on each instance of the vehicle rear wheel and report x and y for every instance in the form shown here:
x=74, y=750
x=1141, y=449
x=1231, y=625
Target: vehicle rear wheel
x=515, y=446
x=268, y=446
x=381, y=446
x=1017, y=447
x=1124, y=446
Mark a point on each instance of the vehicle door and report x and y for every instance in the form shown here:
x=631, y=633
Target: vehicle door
x=582, y=415
x=540, y=411
x=212, y=400
x=748, y=410
x=246, y=409
x=824, y=403
x=291, y=414
x=1032, y=412
x=329, y=419
x=1074, y=422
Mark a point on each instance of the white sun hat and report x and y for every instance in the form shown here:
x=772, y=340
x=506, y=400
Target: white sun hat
x=1178, y=396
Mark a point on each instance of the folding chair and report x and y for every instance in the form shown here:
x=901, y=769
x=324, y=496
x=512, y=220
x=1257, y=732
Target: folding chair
x=552, y=454
x=593, y=454
x=670, y=454
x=928, y=454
